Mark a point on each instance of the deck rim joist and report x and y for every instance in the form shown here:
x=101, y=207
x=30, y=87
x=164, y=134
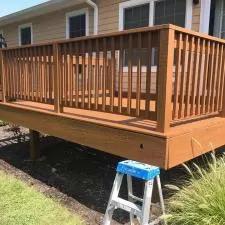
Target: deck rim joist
x=112, y=125
x=129, y=144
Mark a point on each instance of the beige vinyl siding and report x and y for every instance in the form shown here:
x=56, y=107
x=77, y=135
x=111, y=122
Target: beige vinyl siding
x=196, y=17
x=46, y=28
x=52, y=26
x=11, y=34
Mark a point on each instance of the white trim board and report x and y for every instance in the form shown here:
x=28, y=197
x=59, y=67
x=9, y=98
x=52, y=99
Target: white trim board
x=131, y=3
x=205, y=16
x=83, y=11
x=25, y=26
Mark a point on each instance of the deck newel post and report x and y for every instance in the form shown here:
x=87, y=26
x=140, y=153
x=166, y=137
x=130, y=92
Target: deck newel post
x=164, y=76
x=2, y=74
x=56, y=63
x=34, y=145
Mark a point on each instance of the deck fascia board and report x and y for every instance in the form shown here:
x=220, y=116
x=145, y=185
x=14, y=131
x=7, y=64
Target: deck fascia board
x=129, y=144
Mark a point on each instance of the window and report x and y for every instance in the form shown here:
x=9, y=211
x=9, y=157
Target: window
x=77, y=26
x=77, y=23
x=218, y=18
x=142, y=13
x=1, y=39
x=25, y=34
x=137, y=16
x=170, y=11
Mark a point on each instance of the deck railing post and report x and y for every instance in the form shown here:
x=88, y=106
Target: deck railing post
x=2, y=75
x=56, y=64
x=164, y=76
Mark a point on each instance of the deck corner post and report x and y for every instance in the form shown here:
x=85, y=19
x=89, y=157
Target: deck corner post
x=2, y=75
x=165, y=75
x=34, y=145
x=57, y=100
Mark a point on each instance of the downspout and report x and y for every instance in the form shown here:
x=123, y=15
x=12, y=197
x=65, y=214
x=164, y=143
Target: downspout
x=95, y=7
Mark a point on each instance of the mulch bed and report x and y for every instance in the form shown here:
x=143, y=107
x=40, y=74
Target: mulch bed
x=79, y=177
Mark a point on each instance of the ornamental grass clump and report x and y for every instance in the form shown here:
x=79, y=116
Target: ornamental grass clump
x=201, y=201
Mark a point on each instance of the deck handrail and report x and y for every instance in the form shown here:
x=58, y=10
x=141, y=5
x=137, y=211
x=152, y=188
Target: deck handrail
x=163, y=73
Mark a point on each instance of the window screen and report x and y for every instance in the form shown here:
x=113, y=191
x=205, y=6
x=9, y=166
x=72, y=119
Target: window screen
x=25, y=36
x=77, y=26
x=170, y=11
x=137, y=16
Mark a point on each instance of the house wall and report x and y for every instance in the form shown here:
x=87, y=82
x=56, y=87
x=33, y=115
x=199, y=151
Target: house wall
x=49, y=27
x=196, y=16
x=109, y=15
x=52, y=26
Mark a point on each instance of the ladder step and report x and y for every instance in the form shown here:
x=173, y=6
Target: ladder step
x=127, y=206
x=135, y=198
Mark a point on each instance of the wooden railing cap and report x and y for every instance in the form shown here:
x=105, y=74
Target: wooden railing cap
x=91, y=37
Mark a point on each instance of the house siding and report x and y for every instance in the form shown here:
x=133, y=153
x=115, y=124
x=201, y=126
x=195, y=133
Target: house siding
x=196, y=17
x=49, y=27
x=52, y=26
x=109, y=15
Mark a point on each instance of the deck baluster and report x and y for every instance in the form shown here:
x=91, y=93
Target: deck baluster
x=56, y=51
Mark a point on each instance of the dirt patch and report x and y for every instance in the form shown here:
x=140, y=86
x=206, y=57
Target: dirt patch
x=79, y=177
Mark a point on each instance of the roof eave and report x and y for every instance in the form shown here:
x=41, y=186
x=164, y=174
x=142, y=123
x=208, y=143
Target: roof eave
x=38, y=10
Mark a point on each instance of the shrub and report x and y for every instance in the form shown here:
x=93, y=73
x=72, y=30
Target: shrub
x=2, y=123
x=201, y=201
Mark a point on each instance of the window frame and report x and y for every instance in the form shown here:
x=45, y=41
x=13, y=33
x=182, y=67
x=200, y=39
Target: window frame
x=133, y=3
x=79, y=12
x=22, y=26
x=2, y=33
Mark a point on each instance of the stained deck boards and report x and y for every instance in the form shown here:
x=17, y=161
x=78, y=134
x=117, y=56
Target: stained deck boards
x=100, y=118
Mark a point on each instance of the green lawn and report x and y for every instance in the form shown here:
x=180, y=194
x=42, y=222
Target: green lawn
x=23, y=205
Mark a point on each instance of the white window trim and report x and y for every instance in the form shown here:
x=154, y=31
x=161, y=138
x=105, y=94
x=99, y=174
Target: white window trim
x=77, y=13
x=205, y=16
x=132, y=3
x=25, y=26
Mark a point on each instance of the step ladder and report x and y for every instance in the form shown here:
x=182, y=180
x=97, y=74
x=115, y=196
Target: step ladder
x=141, y=211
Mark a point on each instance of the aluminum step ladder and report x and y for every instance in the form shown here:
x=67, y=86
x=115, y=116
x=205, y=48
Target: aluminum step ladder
x=141, y=211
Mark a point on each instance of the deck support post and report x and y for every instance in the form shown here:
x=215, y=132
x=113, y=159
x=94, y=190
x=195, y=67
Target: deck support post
x=57, y=100
x=2, y=75
x=164, y=83
x=34, y=145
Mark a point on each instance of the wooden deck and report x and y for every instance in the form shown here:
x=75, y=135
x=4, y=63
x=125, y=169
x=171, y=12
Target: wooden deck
x=82, y=90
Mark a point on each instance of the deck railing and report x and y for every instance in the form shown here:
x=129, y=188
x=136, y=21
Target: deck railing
x=163, y=73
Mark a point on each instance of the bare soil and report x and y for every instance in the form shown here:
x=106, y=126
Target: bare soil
x=79, y=177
